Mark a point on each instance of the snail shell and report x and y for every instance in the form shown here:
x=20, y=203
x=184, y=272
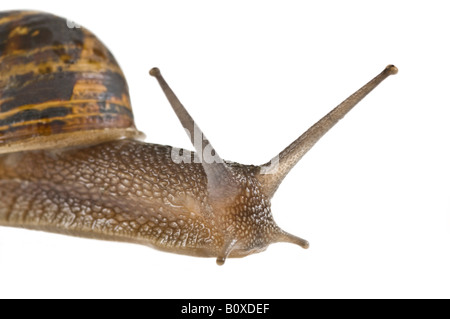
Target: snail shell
x=57, y=84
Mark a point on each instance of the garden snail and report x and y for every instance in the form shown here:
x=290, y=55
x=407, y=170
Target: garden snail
x=71, y=161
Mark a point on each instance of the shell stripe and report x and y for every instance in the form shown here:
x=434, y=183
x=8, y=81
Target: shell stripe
x=31, y=89
x=56, y=125
x=70, y=104
x=44, y=61
x=32, y=116
x=10, y=16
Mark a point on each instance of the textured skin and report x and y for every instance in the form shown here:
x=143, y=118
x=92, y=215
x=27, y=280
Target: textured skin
x=61, y=87
x=56, y=83
x=55, y=80
x=131, y=191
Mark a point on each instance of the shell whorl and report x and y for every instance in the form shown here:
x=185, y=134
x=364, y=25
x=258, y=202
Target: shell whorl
x=56, y=83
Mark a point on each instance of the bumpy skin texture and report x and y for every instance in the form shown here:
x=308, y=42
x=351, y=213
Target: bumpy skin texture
x=64, y=106
x=132, y=191
x=63, y=102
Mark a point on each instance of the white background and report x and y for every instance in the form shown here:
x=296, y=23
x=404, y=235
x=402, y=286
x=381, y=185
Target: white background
x=372, y=197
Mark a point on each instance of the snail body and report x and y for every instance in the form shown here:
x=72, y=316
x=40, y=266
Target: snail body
x=71, y=161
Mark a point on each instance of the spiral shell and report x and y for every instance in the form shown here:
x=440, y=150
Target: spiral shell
x=59, y=85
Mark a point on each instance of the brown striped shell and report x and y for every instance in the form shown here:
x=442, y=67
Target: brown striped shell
x=59, y=85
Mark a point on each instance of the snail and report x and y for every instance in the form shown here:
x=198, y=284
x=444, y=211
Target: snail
x=72, y=161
